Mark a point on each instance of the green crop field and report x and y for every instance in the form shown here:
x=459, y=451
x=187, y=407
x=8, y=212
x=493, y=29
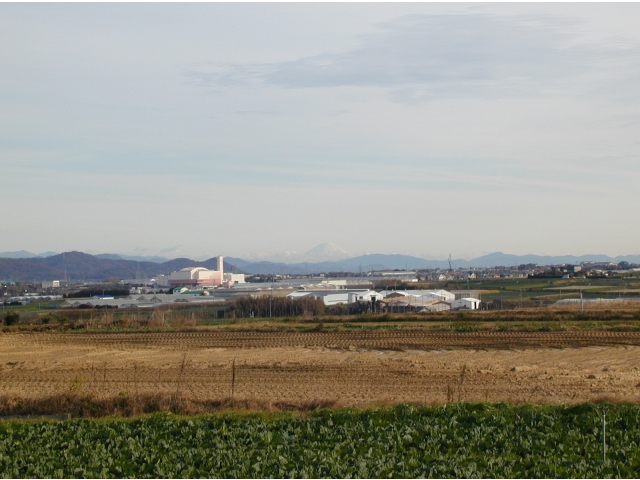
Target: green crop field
x=457, y=440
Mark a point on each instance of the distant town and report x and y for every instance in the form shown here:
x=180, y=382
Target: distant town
x=116, y=283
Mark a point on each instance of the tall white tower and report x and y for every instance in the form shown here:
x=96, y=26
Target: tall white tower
x=220, y=265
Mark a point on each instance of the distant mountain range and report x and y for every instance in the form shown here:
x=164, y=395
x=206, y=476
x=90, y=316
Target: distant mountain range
x=82, y=266
x=365, y=263
x=111, y=256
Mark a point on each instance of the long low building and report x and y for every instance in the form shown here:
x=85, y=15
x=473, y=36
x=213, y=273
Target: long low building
x=424, y=295
x=32, y=298
x=336, y=296
x=139, y=301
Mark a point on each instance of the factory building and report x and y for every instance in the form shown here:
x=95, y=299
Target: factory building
x=430, y=300
x=198, y=276
x=336, y=296
x=232, y=278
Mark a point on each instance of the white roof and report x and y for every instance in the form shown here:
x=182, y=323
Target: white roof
x=298, y=294
x=418, y=293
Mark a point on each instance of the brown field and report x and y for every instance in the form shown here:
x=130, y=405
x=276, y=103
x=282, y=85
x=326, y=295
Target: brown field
x=356, y=368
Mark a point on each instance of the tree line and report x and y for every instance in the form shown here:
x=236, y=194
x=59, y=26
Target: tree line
x=276, y=307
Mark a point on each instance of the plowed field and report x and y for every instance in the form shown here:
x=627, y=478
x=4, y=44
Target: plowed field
x=355, y=368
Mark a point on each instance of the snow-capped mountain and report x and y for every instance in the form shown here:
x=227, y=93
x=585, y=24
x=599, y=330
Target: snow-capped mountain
x=326, y=251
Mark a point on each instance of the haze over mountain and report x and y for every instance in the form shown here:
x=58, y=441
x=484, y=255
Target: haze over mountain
x=26, y=254
x=326, y=251
x=138, y=258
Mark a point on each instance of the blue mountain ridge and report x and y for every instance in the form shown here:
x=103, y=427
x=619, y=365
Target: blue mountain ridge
x=370, y=262
x=78, y=265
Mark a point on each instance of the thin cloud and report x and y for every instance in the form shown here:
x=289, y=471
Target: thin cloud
x=171, y=249
x=454, y=55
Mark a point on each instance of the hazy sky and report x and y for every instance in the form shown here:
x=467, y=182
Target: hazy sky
x=245, y=129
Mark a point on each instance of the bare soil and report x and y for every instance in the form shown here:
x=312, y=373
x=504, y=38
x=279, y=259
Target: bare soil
x=356, y=368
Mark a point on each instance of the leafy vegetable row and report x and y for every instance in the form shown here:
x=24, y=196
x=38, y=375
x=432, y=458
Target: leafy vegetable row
x=460, y=440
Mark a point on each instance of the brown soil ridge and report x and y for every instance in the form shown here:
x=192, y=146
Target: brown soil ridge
x=374, y=340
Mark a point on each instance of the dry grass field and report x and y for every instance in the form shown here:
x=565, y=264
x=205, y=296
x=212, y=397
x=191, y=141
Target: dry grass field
x=344, y=368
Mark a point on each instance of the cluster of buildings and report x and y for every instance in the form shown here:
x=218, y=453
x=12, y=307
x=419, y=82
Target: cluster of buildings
x=584, y=270
x=361, y=299
x=530, y=270
x=199, y=284
x=417, y=301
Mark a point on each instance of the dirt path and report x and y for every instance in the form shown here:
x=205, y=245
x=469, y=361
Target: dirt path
x=356, y=368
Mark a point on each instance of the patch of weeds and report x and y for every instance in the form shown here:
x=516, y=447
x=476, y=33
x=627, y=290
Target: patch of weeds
x=351, y=326
x=465, y=327
x=386, y=327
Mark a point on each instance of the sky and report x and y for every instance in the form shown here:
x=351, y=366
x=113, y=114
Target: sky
x=262, y=130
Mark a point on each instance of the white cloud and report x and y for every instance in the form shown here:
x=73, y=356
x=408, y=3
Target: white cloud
x=436, y=56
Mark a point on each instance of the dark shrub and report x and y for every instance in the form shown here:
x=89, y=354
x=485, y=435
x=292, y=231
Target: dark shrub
x=11, y=318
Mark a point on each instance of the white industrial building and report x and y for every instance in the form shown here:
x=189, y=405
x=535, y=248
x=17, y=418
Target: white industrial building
x=198, y=276
x=51, y=284
x=424, y=295
x=336, y=296
x=233, y=278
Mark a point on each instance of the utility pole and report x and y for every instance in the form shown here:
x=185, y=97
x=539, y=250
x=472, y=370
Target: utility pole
x=520, y=298
x=581, y=303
